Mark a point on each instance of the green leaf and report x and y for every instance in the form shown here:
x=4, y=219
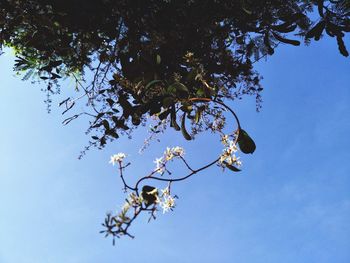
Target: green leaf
x=186, y=107
x=158, y=59
x=149, y=84
x=200, y=93
x=198, y=115
x=245, y=143
x=186, y=135
x=180, y=89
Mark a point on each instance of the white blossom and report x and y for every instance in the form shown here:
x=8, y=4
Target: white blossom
x=117, y=158
x=233, y=147
x=228, y=154
x=168, y=154
x=160, y=165
x=167, y=204
x=166, y=201
x=178, y=151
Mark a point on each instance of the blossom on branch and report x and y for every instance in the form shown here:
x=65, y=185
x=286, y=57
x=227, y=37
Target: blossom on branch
x=169, y=154
x=166, y=202
x=228, y=155
x=178, y=151
x=160, y=165
x=150, y=199
x=117, y=158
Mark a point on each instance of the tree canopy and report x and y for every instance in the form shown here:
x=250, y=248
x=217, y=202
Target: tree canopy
x=154, y=57
x=180, y=61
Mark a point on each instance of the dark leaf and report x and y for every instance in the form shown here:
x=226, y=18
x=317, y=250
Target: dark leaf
x=285, y=40
x=173, y=122
x=168, y=101
x=316, y=31
x=152, y=83
x=110, y=102
x=149, y=194
x=267, y=43
x=180, y=89
x=163, y=115
x=135, y=119
x=103, y=141
x=231, y=167
x=112, y=134
x=105, y=124
x=285, y=27
x=245, y=143
x=197, y=117
x=186, y=135
x=320, y=7
x=54, y=64
x=155, y=107
x=341, y=46
x=55, y=76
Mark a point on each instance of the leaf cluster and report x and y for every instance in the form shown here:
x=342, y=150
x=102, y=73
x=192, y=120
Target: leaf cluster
x=156, y=57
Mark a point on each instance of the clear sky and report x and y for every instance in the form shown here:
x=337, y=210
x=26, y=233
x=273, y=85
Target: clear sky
x=291, y=202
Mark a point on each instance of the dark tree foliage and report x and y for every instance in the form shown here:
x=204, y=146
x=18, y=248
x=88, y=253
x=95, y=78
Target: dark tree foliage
x=154, y=57
x=179, y=61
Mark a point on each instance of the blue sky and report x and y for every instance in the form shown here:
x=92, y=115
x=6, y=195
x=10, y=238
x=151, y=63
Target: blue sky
x=291, y=202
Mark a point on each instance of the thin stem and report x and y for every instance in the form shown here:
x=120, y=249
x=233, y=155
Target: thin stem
x=176, y=179
x=218, y=102
x=122, y=177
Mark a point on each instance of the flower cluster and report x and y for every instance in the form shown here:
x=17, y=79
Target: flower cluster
x=169, y=154
x=166, y=201
x=117, y=158
x=150, y=199
x=228, y=155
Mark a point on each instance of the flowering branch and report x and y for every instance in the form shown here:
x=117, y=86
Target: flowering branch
x=149, y=198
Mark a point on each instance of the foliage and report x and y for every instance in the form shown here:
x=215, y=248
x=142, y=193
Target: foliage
x=153, y=57
x=179, y=61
